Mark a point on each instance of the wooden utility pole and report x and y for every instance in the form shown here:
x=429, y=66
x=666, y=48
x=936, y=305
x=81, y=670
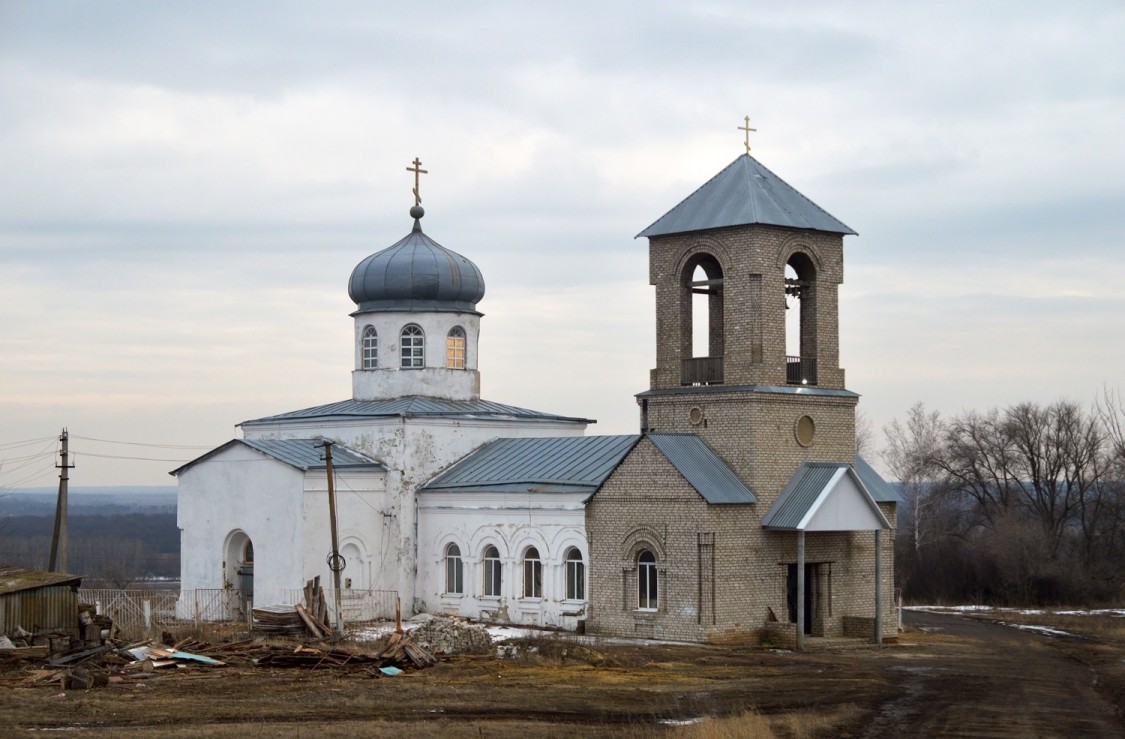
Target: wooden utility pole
x=59, y=535
x=335, y=561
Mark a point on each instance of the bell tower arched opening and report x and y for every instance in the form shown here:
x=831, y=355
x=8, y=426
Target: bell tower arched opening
x=702, y=330
x=800, y=320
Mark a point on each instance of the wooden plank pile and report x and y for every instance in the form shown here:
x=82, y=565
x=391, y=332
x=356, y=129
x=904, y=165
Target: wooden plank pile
x=309, y=618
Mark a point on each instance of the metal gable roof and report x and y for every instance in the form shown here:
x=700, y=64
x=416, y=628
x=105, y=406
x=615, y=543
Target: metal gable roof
x=745, y=193
x=300, y=453
x=808, y=489
x=568, y=463
x=881, y=490
x=414, y=406
x=703, y=468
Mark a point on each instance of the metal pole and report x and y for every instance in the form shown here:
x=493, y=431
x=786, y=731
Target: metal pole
x=334, y=559
x=800, y=590
x=878, y=589
x=59, y=535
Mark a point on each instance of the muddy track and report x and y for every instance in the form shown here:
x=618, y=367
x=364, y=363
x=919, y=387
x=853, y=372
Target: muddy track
x=993, y=680
x=948, y=676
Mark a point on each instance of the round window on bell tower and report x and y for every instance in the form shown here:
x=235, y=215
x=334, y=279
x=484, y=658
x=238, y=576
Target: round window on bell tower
x=805, y=430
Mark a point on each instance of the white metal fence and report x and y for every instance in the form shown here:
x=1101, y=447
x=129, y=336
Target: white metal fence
x=156, y=608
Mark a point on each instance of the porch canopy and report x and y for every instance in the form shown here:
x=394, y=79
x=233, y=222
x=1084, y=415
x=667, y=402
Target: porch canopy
x=824, y=496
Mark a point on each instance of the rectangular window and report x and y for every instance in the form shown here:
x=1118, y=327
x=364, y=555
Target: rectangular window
x=455, y=352
x=532, y=578
x=492, y=574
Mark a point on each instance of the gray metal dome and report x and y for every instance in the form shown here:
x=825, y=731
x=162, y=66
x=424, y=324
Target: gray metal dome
x=416, y=274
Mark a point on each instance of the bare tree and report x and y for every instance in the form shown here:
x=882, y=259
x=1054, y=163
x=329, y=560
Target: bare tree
x=863, y=433
x=911, y=453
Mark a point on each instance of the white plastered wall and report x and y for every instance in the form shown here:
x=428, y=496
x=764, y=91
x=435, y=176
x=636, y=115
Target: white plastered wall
x=434, y=380
x=551, y=522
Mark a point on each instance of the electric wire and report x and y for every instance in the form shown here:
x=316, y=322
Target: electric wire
x=139, y=443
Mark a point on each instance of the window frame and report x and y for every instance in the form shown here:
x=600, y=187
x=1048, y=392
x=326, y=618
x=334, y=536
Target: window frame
x=493, y=572
x=532, y=573
x=369, y=349
x=648, y=581
x=412, y=347
x=454, y=570
x=575, y=569
x=456, y=348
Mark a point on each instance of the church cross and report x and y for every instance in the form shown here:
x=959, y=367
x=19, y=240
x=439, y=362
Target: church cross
x=418, y=171
x=747, y=129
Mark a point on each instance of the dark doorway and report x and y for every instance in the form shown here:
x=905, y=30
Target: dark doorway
x=791, y=594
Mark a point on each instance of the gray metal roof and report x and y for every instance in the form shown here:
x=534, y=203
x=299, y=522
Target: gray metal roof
x=416, y=274
x=803, y=491
x=304, y=454
x=703, y=468
x=881, y=490
x=557, y=464
x=745, y=193
x=415, y=406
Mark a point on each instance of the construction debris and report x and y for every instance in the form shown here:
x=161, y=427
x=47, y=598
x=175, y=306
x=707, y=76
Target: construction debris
x=453, y=636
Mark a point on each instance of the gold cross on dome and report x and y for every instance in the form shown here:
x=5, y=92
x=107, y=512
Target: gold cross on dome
x=418, y=171
x=747, y=129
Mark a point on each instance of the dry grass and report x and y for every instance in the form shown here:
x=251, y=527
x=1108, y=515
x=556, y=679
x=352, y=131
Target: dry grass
x=1097, y=626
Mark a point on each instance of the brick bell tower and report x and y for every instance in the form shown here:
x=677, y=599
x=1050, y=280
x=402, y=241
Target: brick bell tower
x=747, y=273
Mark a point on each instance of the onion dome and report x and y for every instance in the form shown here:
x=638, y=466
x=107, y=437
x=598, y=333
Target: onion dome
x=416, y=274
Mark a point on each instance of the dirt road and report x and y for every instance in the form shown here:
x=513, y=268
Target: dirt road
x=946, y=677
x=983, y=679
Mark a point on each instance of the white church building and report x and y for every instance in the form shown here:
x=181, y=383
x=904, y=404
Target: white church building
x=254, y=512
x=740, y=505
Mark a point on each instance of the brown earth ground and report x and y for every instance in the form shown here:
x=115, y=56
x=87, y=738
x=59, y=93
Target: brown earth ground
x=946, y=676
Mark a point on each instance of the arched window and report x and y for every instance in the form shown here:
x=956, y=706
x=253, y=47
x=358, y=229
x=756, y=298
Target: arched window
x=370, y=348
x=454, y=572
x=492, y=571
x=248, y=553
x=413, y=347
x=647, y=590
x=455, y=348
x=702, y=335
x=532, y=574
x=575, y=575
x=800, y=320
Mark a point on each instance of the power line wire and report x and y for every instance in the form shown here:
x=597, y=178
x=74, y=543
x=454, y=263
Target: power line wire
x=139, y=443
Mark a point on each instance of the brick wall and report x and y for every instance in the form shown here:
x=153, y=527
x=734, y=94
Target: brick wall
x=646, y=503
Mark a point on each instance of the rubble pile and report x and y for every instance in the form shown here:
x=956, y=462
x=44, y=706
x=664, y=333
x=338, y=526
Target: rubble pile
x=453, y=636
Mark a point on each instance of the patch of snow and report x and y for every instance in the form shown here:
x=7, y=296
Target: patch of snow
x=1047, y=630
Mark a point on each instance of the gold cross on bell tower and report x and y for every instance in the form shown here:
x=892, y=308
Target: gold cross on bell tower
x=418, y=171
x=747, y=129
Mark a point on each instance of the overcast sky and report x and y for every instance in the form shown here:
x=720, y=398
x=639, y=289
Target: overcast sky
x=185, y=188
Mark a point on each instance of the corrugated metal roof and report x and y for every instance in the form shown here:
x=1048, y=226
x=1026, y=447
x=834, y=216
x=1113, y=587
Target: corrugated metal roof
x=742, y=194
x=304, y=454
x=804, y=491
x=14, y=579
x=415, y=406
x=800, y=494
x=881, y=490
x=703, y=468
x=569, y=463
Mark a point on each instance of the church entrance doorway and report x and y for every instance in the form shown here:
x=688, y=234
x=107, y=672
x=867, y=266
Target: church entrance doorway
x=810, y=593
x=239, y=575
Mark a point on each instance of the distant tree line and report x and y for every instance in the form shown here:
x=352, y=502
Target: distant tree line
x=1022, y=505
x=116, y=551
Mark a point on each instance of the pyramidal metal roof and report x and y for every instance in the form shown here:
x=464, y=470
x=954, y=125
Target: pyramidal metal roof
x=304, y=454
x=414, y=406
x=745, y=193
x=556, y=464
x=703, y=468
